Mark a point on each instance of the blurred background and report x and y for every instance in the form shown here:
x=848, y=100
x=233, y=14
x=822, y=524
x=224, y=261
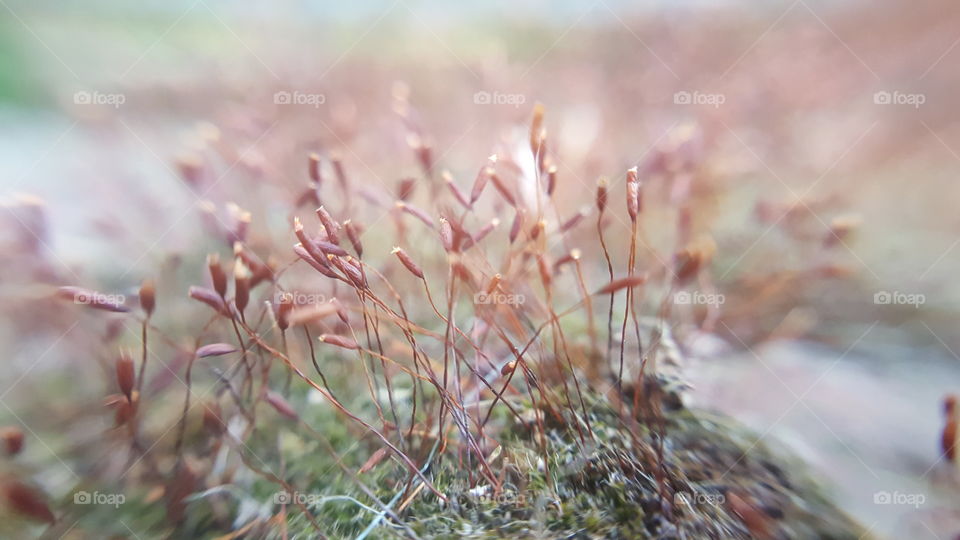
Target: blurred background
x=832, y=123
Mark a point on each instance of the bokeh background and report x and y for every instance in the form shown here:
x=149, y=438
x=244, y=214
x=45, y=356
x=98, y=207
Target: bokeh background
x=815, y=117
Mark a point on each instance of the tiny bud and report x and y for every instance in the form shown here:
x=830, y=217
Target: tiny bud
x=408, y=262
x=551, y=179
x=354, y=235
x=517, y=224
x=125, y=375
x=446, y=235
x=148, y=296
x=26, y=501
x=313, y=167
x=217, y=276
x=601, y=195
x=12, y=438
x=339, y=341
x=215, y=349
x=329, y=224
x=281, y=405
x=241, y=286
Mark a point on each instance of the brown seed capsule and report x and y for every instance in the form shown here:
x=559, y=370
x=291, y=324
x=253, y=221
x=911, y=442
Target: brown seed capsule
x=503, y=189
x=281, y=405
x=213, y=419
x=12, y=438
x=480, y=182
x=508, y=368
x=622, y=283
x=126, y=376
x=341, y=311
x=148, y=296
x=215, y=349
x=536, y=126
x=573, y=221
x=416, y=212
x=339, y=341
x=692, y=258
x=481, y=234
x=353, y=234
x=494, y=283
x=26, y=501
x=446, y=235
x=329, y=224
x=407, y=261
x=633, y=193
x=241, y=286
x=209, y=298
x=517, y=224
x=319, y=266
x=551, y=179
x=405, y=187
x=217, y=276
x=601, y=195
x=313, y=167
x=284, y=306
x=307, y=243
x=457, y=194
x=544, y=268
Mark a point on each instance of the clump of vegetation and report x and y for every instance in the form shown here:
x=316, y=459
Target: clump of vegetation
x=474, y=380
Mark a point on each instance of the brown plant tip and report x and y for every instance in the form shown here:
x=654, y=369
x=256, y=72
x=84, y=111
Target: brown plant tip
x=407, y=262
x=283, y=308
x=281, y=405
x=12, y=438
x=148, y=296
x=241, y=286
x=633, y=194
x=213, y=419
x=330, y=225
x=601, y=198
x=551, y=179
x=217, y=276
x=92, y=299
x=622, y=283
x=215, y=349
x=948, y=437
x=354, y=232
x=210, y=298
x=446, y=235
x=26, y=501
x=313, y=167
x=339, y=341
x=126, y=376
x=693, y=258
